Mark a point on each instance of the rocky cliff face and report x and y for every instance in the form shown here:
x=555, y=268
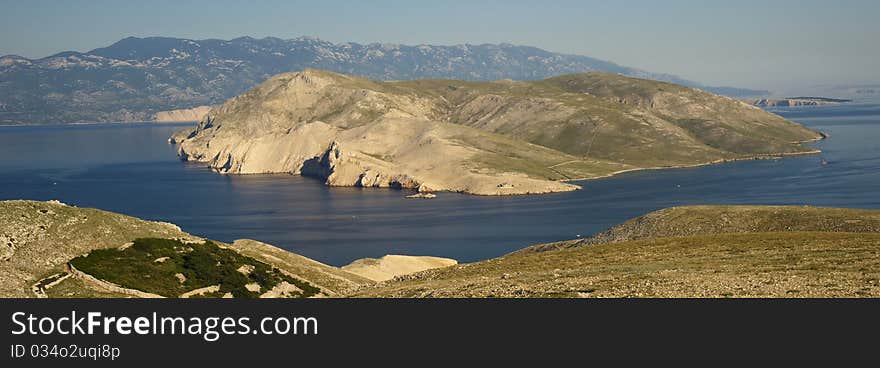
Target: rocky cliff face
x=491, y=138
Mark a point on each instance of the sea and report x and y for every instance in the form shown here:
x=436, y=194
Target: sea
x=132, y=169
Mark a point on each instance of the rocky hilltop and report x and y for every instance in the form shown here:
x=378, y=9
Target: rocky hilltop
x=488, y=138
x=701, y=251
x=711, y=220
x=40, y=242
x=134, y=78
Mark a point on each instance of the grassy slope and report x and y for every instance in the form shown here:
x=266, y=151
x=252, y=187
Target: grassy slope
x=684, y=251
x=707, y=220
x=152, y=264
x=698, y=251
x=792, y=264
x=45, y=236
x=330, y=279
x=633, y=121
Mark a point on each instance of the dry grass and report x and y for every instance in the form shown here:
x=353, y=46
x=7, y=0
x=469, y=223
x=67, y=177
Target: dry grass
x=792, y=264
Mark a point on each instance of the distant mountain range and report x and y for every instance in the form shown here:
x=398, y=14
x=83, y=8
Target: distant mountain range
x=134, y=78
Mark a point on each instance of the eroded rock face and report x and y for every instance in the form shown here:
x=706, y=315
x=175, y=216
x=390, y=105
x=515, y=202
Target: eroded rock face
x=492, y=138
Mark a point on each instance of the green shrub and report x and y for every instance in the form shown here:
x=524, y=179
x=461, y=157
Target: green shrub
x=202, y=265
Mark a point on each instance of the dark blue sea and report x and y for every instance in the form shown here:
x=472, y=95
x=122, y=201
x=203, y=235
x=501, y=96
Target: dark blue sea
x=131, y=169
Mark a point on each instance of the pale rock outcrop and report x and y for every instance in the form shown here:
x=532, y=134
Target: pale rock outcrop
x=283, y=289
x=391, y=266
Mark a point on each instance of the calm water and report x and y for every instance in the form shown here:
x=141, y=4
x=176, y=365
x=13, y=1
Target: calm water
x=131, y=169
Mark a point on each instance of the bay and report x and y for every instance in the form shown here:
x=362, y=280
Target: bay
x=131, y=169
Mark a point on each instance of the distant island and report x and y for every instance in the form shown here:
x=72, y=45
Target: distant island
x=796, y=101
x=858, y=90
x=488, y=138
x=134, y=78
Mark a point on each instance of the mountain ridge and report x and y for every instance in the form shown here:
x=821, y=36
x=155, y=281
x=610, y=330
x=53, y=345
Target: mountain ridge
x=134, y=78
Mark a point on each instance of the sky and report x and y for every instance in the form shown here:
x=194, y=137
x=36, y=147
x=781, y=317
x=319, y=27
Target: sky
x=756, y=44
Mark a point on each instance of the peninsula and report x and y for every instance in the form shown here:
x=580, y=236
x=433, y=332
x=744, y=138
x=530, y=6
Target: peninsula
x=486, y=138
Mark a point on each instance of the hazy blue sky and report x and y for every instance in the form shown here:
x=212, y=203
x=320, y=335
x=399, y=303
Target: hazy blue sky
x=761, y=44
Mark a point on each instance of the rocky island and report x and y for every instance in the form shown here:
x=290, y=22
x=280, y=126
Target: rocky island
x=486, y=138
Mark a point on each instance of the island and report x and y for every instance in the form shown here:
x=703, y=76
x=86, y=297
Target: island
x=486, y=138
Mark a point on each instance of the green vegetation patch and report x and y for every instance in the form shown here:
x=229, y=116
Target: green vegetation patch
x=156, y=265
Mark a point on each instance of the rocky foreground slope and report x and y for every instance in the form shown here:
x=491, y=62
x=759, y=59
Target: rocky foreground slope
x=702, y=251
x=38, y=240
x=705, y=251
x=489, y=138
x=710, y=220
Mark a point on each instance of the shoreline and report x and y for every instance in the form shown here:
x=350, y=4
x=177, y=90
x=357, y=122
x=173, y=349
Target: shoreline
x=571, y=187
x=105, y=123
x=567, y=181
x=714, y=162
x=822, y=136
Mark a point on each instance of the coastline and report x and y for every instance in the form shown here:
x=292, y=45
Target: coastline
x=713, y=162
x=104, y=123
x=575, y=187
x=719, y=161
x=822, y=136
